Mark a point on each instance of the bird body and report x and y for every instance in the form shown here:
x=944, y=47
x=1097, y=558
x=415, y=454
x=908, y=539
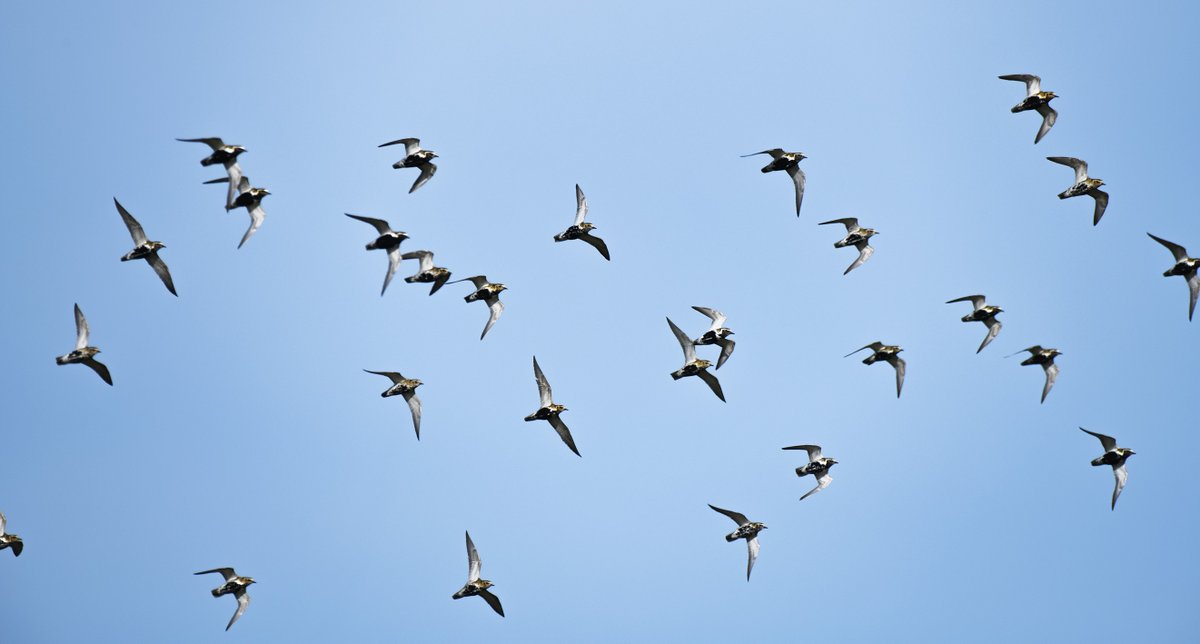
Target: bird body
x=406, y=387
x=818, y=467
x=476, y=586
x=10, y=540
x=388, y=240
x=1035, y=99
x=1184, y=267
x=889, y=354
x=488, y=292
x=1084, y=185
x=145, y=248
x=717, y=333
x=221, y=151
x=1044, y=357
x=747, y=530
x=83, y=353
x=856, y=236
x=693, y=366
x=235, y=585
x=581, y=229
x=787, y=162
x=426, y=272
x=548, y=410
x=1113, y=456
x=415, y=157
x=982, y=312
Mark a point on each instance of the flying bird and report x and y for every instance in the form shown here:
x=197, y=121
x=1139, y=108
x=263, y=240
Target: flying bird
x=1185, y=267
x=857, y=237
x=818, y=466
x=475, y=585
x=1083, y=185
x=145, y=249
x=581, y=229
x=889, y=354
x=84, y=354
x=233, y=584
x=716, y=334
x=415, y=157
x=426, y=272
x=747, y=530
x=1116, y=457
x=549, y=411
x=406, y=387
x=227, y=156
x=982, y=312
x=691, y=365
x=250, y=199
x=1035, y=99
x=1044, y=357
x=388, y=240
x=789, y=162
x=10, y=540
x=488, y=292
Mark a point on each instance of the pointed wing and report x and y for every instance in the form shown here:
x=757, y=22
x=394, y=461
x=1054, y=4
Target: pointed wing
x=1049, y=116
x=227, y=573
x=1193, y=281
x=1121, y=475
x=712, y=383
x=851, y=223
x=901, y=366
x=565, y=434
x=1177, y=251
x=822, y=483
x=1108, y=442
x=689, y=349
x=865, y=250
x=1101, y=198
x=544, y=391
x=81, y=329
x=477, y=280
x=235, y=181
x=993, y=326
x=976, y=301
x=441, y=281
x=726, y=351
x=160, y=267
x=427, y=170
x=135, y=229
x=596, y=243
x=411, y=145
x=393, y=264
x=495, y=308
x=774, y=152
x=717, y=317
x=474, y=565
x=814, y=451
x=874, y=346
x=1051, y=376
x=414, y=405
x=798, y=178
x=390, y=375
x=1080, y=167
x=380, y=225
x=213, y=142
x=99, y=369
x=1034, y=349
x=256, y=219
x=737, y=517
x=492, y=601
x=243, y=599
x=424, y=256
x=580, y=205
x=3, y=524
x=752, y=547
x=1033, y=84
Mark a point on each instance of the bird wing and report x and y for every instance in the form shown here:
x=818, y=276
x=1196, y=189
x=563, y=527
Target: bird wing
x=1049, y=116
x=822, y=483
x=1034, y=349
x=798, y=178
x=390, y=375
x=596, y=243
x=427, y=170
x=160, y=267
x=1193, y=281
x=900, y=365
x=135, y=229
x=235, y=181
x=1177, y=251
x=227, y=573
x=865, y=250
x=1119, y=473
x=851, y=223
x=580, y=205
x=3, y=524
x=414, y=404
x=257, y=215
x=565, y=434
x=874, y=346
x=81, y=329
x=441, y=281
x=726, y=351
x=1101, y=198
x=474, y=565
x=424, y=256
x=774, y=152
x=814, y=451
x=1080, y=167
x=411, y=145
x=495, y=308
x=752, y=547
x=737, y=517
x=689, y=349
x=712, y=383
x=1033, y=84
x=393, y=264
x=717, y=317
x=1051, y=376
x=976, y=301
x=492, y=601
x=243, y=599
x=544, y=391
x=213, y=142
x=380, y=225
x=98, y=368
x=993, y=326
x=477, y=280
x=1108, y=442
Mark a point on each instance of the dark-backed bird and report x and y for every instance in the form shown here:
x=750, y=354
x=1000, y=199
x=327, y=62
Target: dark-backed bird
x=84, y=354
x=1116, y=457
x=144, y=248
x=716, y=334
x=548, y=411
x=1045, y=358
x=581, y=229
x=982, y=312
x=249, y=198
x=818, y=466
x=406, y=387
x=475, y=585
x=488, y=292
x=1083, y=186
x=415, y=157
x=233, y=584
x=1035, y=99
x=10, y=540
x=227, y=156
x=856, y=236
x=1184, y=267
x=889, y=354
x=693, y=366
x=388, y=240
x=747, y=530
x=790, y=163
x=426, y=272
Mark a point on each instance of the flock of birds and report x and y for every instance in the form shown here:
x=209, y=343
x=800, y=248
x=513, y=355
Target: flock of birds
x=241, y=194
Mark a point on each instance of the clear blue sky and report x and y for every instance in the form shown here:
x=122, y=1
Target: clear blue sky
x=242, y=431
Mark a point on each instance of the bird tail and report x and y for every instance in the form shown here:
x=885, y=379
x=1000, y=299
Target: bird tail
x=371, y=246
x=409, y=280
x=216, y=592
x=531, y=417
x=731, y=537
x=1098, y=461
x=60, y=360
x=1064, y=194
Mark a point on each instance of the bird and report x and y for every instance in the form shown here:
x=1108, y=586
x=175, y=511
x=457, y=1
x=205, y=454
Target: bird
x=982, y=312
x=857, y=237
x=716, y=334
x=1116, y=457
x=388, y=240
x=406, y=387
x=475, y=585
x=691, y=365
x=489, y=292
x=747, y=530
x=250, y=199
x=549, y=411
x=886, y=353
x=1044, y=357
x=1083, y=185
x=581, y=229
x=1185, y=267
x=84, y=354
x=817, y=465
x=1035, y=99
x=789, y=162
x=10, y=540
x=233, y=584
x=415, y=157
x=145, y=249
x=227, y=156
x=427, y=272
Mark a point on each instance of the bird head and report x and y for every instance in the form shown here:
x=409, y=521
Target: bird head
x=998, y=310
x=416, y=383
x=237, y=149
x=500, y=287
x=1051, y=95
x=157, y=245
x=484, y=584
x=585, y=226
x=832, y=462
x=249, y=580
x=433, y=155
x=1055, y=352
x=702, y=364
x=264, y=192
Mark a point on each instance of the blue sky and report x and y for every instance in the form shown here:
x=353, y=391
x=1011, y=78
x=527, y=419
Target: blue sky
x=242, y=431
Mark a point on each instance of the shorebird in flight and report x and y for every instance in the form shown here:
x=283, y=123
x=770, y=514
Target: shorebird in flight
x=1184, y=267
x=581, y=229
x=475, y=585
x=1116, y=457
x=84, y=354
x=1035, y=99
x=889, y=354
x=1083, y=186
x=693, y=366
x=818, y=466
x=233, y=584
x=747, y=530
x=982, y=312
x=415, y=157
x=145, y=249
x=388, y=240
x=788, y=162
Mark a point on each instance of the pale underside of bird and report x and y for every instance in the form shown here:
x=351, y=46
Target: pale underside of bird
x=747, y=530
x=233, y=584
x=7, y=540
x=818, y=466
x=144, y=248
x=489, y=293
x=415, y=157
x=889, y=354
x=388, y=240
x=788, y=162
x=406, y=387
x=1045, y=358
x=982, y=313
x=717, y=333
x=1035, y=99
x=1083, y=185
x=1115, y=457
x=227, y=156
x=693, y=366
x=83, y=353
x=581, y=229
x=1185, y=267
x=548, y=411
x=427, y=273
x=475, y=585
x=249, y=198
x=856, y=236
